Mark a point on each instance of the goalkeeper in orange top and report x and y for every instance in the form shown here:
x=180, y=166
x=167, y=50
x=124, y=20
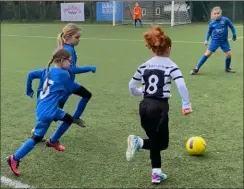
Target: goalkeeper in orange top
x=137, y=14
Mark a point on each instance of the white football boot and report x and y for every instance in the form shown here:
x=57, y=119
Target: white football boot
x=133, y=146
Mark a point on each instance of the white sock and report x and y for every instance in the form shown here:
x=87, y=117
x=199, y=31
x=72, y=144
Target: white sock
x=140, y=142
x=156, y=170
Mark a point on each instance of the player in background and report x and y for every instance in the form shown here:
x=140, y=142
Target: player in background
x=155, y=75
x=218, y=31
x=137, y=14
x=68, y=39
x=47, y=109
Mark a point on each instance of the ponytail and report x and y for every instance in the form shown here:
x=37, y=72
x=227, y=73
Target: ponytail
x=60, y=40
x=47, y=76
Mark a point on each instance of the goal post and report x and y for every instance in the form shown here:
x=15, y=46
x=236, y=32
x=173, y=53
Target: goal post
x=153, y=12
x=114, y=13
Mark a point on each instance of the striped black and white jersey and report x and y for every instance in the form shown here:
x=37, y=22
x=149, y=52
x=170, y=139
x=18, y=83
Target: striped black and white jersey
x=155, y=75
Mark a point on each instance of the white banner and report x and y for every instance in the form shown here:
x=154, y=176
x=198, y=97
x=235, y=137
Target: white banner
x=72, y=12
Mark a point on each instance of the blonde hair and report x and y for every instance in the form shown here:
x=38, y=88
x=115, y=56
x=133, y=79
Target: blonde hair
x=214, y=9
x=68, y=30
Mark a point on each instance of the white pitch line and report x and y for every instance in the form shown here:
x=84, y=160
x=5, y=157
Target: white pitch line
x=14, y=183
x=83, y=25
x=101, y=39
x=57, y=24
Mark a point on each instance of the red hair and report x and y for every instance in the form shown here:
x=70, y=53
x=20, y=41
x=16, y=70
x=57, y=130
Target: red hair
x=157, y=41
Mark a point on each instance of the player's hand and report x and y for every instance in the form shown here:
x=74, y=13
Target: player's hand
x=186, y=111
x=30, y=93
x=205, y=43
x=93, y=69
x=234, y=37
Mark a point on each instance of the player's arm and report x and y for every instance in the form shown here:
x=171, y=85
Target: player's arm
x=79, y=69
x=135, y=80
x=36, y=74
x=209, y=33
x=176, y=75
x=84, y=69
x=233, y=30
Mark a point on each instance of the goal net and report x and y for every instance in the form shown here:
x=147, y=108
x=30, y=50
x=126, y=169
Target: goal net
x=153, y=12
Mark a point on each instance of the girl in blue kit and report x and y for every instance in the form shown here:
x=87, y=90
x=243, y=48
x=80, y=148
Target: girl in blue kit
x=47, y=110
x=218, y=30
x=68, y=39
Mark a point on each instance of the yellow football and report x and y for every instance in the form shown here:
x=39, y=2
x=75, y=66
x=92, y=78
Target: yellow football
x=196, y=145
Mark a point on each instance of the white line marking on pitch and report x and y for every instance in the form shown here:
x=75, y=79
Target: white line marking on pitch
x=14, y=183
x=89, y=25
x=101, y=39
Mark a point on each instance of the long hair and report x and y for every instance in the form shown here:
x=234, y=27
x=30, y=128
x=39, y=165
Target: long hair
x=57, y=57
x=68, y=30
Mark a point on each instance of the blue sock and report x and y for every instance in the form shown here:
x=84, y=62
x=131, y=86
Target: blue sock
x=24, y=149
x=62, y=128
x=201, y=61
x=80, y=107
x=227, y=62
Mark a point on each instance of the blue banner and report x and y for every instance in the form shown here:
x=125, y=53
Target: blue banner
x=104, y=11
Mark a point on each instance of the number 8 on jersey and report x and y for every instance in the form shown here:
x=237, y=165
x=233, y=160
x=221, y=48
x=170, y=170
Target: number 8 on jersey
x=154, y=83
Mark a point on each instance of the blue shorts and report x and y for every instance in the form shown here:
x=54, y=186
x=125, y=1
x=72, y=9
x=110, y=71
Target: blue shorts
x=72, y=89
x=43, y=125
x=214, y=45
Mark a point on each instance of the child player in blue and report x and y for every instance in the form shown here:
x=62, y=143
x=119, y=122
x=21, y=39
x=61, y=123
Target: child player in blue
x=68, y=39
x=218, y=30
x=41, y=75
x=47, y=109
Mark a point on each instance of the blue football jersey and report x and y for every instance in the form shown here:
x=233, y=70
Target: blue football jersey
x=218, y=29
x=47, y=103
x=72, y=68
x=72, y=52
